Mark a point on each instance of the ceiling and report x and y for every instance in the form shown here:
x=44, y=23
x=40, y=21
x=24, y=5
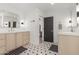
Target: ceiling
x=42, y=6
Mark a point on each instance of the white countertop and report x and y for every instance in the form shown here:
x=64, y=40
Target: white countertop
x=12, y=31
x=69, y=33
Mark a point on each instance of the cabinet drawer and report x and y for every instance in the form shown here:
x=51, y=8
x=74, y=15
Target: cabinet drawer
x=2, y=42
x=2, y=50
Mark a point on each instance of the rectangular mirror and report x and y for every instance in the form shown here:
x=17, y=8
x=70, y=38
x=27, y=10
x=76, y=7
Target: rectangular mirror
x=14, y=24
x=77, y=14
x=9, y=24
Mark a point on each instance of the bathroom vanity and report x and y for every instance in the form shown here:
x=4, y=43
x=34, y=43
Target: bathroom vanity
x=12, y=40
x=11, y=35
x=68, y=43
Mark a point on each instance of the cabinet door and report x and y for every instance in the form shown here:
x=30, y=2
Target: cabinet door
x=2, y=50
x=10, y=41
x=2, y=40
x=19, y=39
x=26, y=37
x=2, y=44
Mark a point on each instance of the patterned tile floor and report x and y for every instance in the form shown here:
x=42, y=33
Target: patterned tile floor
x=42, y=49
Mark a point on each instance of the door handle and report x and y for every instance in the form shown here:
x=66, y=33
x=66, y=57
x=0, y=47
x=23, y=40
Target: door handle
x=51, y=30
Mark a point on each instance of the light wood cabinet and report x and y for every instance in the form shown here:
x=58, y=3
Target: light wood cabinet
x=22, y=38
x=26, y=37
x=19, y=39
x=68, y=44
x=10, y=41
x=2, y=40
x=2, y=44
x=2, y=50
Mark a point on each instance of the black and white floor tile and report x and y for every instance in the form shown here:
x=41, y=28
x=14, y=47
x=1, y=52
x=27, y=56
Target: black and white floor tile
x=42, y=49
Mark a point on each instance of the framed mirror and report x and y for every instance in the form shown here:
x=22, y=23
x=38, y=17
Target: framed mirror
x=14, y=24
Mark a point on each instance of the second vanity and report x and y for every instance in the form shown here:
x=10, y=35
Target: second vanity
x=68, y=43
x=12, y=40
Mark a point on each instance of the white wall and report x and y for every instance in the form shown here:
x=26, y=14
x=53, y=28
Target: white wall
x=34, y=14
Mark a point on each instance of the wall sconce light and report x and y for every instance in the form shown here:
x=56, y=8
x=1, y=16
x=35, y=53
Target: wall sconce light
x=70, y=21
x=22, y=23
x=6, y=24
x=70, y=26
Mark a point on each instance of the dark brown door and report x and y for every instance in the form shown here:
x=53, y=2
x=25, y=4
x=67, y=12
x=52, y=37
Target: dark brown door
x=48, y=29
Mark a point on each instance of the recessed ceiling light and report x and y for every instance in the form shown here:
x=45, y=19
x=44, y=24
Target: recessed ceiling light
x=52, y=3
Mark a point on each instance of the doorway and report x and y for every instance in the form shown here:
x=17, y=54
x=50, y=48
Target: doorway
x=48, y=29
